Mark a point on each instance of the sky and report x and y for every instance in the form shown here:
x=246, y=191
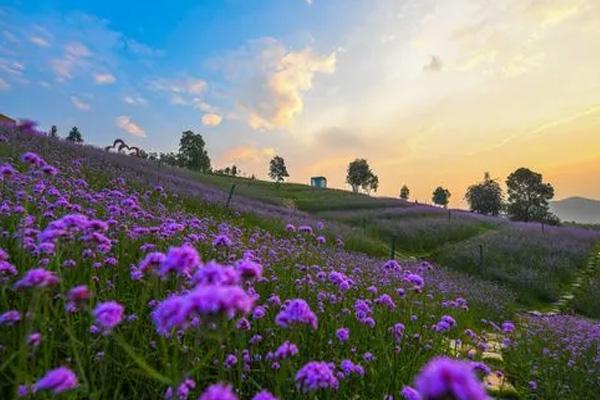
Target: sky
x=429, y=92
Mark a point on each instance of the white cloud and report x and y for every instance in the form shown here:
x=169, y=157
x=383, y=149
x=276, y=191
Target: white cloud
x=104, y=78
x=125, y=123
x=211, y=119
x=271, y=80
x=12, y=67
x=4, y=85
x=74, y=54
x=39, y=41
x=186, y=86
x=80, y=104
x=135, y=100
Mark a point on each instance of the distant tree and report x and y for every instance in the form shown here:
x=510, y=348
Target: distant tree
x=75, y=136
x=277, y=169
x=53, y=132
x=359, y=175
x=192, y=154
x=404, y=192
x=169, y=159
x=528, y=196
x=441, y=196
x=234, y=170
x=485, y=197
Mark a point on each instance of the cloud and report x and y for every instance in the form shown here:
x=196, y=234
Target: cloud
x=125, y=123
x=73, y=55
x=338, y=138
x=12, y=67
x=39, y=41
x=4, y=85
x=80, y=104
x=104, y=79
x=247, y=153
x=434, y=64
x=269, y=80
x=185, y=86
x=135, y=100
x=211, y=119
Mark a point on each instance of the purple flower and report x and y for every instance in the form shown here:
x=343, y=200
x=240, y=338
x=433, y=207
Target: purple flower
x=57, y=380
x=76, y=297
x=296, y=311
x=343, y=334
x=10, y=317
x=230, y=361
x=249, y=269
x=222, y=241
x=316, y=375
x=108, y=314
x=286, y=350
x=398, y=331
x=37, y=277
x=508, y=327
x=410, y=393
x=34, y=339
x=218, y=391
x=183, y=260
x=444, y=377
x=264, y=395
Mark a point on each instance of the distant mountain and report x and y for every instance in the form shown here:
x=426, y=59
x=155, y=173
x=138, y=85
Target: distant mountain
x=578, y=209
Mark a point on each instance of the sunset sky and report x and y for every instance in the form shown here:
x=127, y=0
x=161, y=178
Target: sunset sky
x=429, y=92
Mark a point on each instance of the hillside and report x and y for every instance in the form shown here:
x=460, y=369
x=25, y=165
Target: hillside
x=577, y=209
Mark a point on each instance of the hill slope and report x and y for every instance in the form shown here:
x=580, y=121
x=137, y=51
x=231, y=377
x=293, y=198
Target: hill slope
x=577, y=209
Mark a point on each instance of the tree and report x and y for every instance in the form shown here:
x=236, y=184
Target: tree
x=169, y=159
x=404, y=192
x=277, y=169
x=359, y=175
x=53, y=132
x=75, y=136
x=528, y=196
x=192, y=154
x=441, y=196
x=485, y=197
x=234, y=170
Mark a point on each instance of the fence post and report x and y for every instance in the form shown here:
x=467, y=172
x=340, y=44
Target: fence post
x=393, y=250
x=230, y=195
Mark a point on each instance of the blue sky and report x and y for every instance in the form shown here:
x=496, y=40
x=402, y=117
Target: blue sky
x=431, y=92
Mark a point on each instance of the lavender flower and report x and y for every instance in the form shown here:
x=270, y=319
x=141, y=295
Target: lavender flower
x=57, y=380
x=445, y=377
x=219, y=391
x=316, y=375
x=37, y=277
x=296, y=311
x=108, y=314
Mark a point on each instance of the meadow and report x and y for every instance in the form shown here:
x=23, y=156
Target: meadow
x=119, y=280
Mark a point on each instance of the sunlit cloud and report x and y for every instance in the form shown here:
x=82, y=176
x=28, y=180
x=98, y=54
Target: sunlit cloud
x=80, y=104
x=125, y=123
x=211, y=119
x=104, y=79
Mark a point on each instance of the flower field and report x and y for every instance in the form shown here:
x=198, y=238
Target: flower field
x=118, y=281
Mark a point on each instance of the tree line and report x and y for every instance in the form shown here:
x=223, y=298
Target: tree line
x=527, y=197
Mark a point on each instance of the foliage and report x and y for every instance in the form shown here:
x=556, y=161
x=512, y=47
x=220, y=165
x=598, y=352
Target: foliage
x=192, y=154
x=404, y=192
x=142, y=251
x=74, y=136
x=485, y=197
x=441, y=196
x=528, y=196
x=277, y=169
x=53, y=132
x=535, y=264
x=360, y=176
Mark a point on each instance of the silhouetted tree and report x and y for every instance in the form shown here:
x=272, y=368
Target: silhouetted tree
x=404, y=192
x=53, y=132
x=277, y=169
x=528, y=196
x=234, y=170
x=441, y=196
x=75, y=136
x=192, y=154
x=359, y=175
x=169, y=159
x=485, y=197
